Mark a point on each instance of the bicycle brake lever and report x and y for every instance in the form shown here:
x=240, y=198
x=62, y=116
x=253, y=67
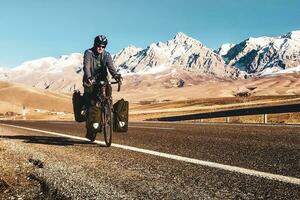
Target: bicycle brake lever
x=119, y=85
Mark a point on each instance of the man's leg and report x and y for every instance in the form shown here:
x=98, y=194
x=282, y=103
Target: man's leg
x=87, y=96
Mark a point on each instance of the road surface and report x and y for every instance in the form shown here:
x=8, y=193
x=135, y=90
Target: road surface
x=157, y=160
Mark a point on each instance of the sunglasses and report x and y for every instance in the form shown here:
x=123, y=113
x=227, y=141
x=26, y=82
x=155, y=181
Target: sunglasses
x=102, y=46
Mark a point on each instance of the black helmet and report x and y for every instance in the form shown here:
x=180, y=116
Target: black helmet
x=100, y=40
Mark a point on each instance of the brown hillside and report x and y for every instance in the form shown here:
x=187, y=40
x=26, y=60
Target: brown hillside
x=14, y=96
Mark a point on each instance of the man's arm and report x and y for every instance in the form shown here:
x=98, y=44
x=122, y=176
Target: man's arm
x=87, y=64
x=110, y=66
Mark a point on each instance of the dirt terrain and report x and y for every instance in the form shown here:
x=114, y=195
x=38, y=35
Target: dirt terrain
x=149, y=99
x=158, y=88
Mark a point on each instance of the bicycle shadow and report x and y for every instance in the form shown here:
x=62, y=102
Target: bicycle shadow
x=50, y=140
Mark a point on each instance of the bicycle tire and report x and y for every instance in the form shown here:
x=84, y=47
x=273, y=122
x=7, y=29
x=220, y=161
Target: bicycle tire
x=107, y=124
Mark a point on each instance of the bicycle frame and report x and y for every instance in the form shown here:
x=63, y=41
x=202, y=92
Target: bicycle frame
x=102, y=99
x=101, y=95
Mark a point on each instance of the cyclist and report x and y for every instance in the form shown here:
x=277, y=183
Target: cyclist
x=96, y=63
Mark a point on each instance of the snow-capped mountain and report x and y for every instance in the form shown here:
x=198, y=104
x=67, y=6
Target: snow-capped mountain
x=256, y=54
x=125, y=54
x=182, y=51
x=3, y=73
x=180, y=59
x=48, y=73
x=223, y=50
x=276, y=71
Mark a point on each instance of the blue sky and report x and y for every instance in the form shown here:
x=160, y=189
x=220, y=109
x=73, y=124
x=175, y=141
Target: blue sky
x=31, y=29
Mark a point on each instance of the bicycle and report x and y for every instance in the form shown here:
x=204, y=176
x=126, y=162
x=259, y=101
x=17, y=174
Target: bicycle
x=103, y=101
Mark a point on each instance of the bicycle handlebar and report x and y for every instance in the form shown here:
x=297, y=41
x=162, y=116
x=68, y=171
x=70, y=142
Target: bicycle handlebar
x=119, y=84
x=115, y=82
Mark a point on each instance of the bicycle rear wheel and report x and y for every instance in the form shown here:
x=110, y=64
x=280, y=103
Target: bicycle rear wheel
x=107, y=124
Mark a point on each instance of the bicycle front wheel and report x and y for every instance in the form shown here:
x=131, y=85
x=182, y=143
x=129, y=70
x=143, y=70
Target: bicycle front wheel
x=107, y=124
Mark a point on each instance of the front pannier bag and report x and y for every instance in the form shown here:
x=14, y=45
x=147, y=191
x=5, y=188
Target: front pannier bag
x=78, y=103
x=120, y=116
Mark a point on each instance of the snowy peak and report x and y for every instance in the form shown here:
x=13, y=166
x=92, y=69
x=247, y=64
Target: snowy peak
x=274, y=71
x=51, y=64
x=182, y=51
x=181, y=37
x=264, y=40
x=60, y=74
x=223, y=50
x=130, y=50
x=34, y=65
x=125, y=54
x=254, y=55
x=294, y=35
x=259, y=42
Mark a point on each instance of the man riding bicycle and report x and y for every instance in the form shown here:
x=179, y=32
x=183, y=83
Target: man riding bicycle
x=96, y=63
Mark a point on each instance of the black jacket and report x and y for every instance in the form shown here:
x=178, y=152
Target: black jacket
x=89, y=63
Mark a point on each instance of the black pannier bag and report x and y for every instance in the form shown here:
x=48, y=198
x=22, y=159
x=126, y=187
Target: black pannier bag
x=78, y=103
x=120, y=116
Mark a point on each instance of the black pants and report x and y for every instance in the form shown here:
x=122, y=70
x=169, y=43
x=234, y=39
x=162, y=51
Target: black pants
x=87, y=95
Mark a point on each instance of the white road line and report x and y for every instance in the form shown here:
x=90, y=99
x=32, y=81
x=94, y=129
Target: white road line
x=286, y=179
x=163, y=128
x=60, y=122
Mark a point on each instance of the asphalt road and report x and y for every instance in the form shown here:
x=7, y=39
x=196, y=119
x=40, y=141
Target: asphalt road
x=166, y=160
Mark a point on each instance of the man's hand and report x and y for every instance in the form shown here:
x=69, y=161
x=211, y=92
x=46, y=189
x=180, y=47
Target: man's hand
x=118, y=77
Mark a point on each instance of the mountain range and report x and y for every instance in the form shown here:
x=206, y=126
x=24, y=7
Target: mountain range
x=257, y=54
x=180, y=59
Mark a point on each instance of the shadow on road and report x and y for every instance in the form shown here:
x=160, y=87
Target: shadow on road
x=51, y=140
